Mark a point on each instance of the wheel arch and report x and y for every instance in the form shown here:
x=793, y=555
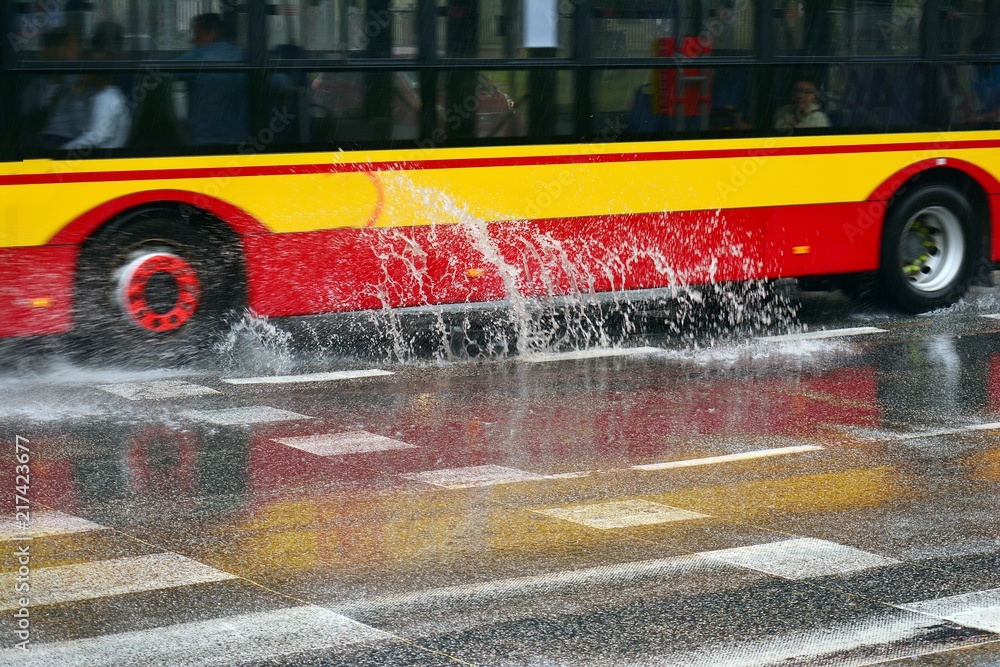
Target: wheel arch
x=210, y=228
x=237, y=221
x=972, y=181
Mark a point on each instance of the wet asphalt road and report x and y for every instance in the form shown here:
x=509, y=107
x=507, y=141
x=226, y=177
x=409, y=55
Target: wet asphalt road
x=825, y=499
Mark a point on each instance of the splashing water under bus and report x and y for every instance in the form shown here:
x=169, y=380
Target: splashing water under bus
x=553, y=293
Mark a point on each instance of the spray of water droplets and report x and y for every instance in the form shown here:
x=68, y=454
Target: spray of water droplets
x=554, y=290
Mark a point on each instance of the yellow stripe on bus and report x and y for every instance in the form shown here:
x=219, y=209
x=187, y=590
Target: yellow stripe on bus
x=315, y=201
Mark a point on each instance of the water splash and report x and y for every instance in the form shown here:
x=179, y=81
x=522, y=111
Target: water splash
x=560, y=292
x=254, y=345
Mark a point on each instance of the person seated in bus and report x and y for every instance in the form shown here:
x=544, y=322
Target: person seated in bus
x=804, y=112
x=109, y=118
x=54, y=108
x=217, y=101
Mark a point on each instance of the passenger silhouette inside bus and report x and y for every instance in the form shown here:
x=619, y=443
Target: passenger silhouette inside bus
x=804, y=112
x=216, y=109
x=54, y=107
x=109, y=117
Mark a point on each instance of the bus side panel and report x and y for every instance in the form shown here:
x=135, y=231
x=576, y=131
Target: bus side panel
x=356, y=269
x=36, y=290
x=825, y=239
x=353, y=269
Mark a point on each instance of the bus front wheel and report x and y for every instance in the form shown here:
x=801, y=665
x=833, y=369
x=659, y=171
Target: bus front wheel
x=931, y=247
x=157, y=288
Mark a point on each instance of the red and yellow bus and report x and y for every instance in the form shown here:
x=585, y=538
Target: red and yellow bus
x=165, y=162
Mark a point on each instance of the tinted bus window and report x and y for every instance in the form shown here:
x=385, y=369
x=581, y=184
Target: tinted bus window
x=970, y=27
x=669, y=101
x=504, y=29
x=340, y=29
x=346, y=108
x=149, y=29
x=638, y=28
x=845, y=27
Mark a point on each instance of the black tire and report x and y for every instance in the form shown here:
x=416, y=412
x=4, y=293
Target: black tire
x=157, y=287
x=931, y=249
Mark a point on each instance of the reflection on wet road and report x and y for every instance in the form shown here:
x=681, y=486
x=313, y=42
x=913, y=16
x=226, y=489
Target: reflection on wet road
x=821, y=499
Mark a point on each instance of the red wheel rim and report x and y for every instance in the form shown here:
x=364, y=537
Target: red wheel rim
x=134, y=299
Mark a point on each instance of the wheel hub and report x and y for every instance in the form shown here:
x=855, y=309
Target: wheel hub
x=158, y=291
x=931, y=249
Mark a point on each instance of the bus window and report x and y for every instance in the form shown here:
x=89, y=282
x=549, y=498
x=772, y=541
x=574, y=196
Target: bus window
x=637, y=28
x=875, y=97
x=341, y=29
x=972, y=92
x=969, y=27
x=503, y=28
x=152, y=29
x=495, y=105
x=646, y=102
x=844, y=27
x=346, y=108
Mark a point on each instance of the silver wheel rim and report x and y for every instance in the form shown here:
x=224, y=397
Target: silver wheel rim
x=931, y=249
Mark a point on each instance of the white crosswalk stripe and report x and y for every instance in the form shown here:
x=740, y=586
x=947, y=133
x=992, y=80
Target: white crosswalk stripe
x=226, y=641
x=801, y=558
x=244, y=416
x=156, y=389
x=975, y=610
x=43, y=523
x=95, y=579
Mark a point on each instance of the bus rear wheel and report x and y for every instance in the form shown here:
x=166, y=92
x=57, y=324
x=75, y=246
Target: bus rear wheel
x=155, y=289
x=931, y=248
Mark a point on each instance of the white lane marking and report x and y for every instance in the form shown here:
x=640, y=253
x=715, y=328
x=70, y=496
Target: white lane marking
x=460, y=478
x=521, y=587
x=98, y=579
x=871, y=640
x=576, y=355
x=993, y=316
x=257, y=414
x=44, y=523
x=225, y=641
x=620, y=514
x=726, y=458
x=872, y=434
x=156, y=389
x=992, y=426
x=980, y=610
x=339, y=444
x=473, y=476
x=309, y=377
x=801, y=558
x=818, y=335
